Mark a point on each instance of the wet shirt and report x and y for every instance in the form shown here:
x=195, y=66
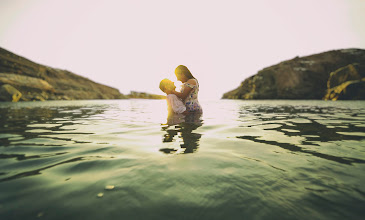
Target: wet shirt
x=174, y=104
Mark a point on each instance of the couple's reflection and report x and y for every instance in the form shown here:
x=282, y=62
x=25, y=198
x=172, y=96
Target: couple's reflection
x=180, y=129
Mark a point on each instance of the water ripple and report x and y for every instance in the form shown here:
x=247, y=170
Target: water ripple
x=240, y=159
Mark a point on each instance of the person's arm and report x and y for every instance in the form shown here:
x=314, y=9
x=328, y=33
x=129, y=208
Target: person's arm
x=187, y=90
x=182, y=95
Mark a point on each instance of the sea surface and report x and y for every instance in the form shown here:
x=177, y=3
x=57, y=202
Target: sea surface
x=126, y=159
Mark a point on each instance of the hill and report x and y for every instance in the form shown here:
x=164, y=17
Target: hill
x=332, y=75
x=24, y=80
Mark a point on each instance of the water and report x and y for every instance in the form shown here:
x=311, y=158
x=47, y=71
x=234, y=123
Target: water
x=123, y=159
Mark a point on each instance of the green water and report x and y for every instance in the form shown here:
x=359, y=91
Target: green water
x=124, y=159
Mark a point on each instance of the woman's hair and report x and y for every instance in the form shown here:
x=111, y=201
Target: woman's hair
x=184, y=71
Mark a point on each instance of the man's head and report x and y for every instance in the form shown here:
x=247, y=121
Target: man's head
x=167, y=84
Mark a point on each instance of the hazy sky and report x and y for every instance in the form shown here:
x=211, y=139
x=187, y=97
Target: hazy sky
x=132, y=45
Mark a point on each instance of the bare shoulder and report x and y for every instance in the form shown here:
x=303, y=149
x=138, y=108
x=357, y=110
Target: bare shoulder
x=191, y=81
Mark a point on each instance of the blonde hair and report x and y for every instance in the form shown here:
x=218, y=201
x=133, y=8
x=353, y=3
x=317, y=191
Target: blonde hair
x=164, y=83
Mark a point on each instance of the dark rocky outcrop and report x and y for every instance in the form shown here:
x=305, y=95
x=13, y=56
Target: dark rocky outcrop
x=9, y=93
x=349, y=90
x=39, y=82
x=306, y=78
x=347, y=83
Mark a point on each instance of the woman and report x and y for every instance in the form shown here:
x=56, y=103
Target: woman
x=189, y=90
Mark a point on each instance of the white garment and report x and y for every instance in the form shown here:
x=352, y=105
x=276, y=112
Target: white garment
x=174, y=104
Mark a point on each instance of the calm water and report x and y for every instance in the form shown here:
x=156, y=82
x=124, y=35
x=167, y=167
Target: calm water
x=124, y=159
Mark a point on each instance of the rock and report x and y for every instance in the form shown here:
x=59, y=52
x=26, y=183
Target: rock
x=350, y=72
x=9, y=93
x=299, y=78
x=100, y=195
x=347, y=83
x=349, y=90
x=26, y=82
x=38, y=98
x=109, y=187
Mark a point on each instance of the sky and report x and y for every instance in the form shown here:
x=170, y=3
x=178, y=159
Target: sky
x=132, y=45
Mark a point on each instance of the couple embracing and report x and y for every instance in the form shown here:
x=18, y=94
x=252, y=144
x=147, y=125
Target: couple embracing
x=186, y=101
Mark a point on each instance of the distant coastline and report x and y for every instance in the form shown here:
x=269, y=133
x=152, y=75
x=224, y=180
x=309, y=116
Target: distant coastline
x=144, y=95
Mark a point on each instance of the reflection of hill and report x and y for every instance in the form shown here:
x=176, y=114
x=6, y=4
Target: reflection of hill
x=22, y=79
x=310, y=77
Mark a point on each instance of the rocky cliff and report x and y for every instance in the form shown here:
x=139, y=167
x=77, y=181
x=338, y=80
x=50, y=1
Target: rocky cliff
x=24, y=80
x=332, y=75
